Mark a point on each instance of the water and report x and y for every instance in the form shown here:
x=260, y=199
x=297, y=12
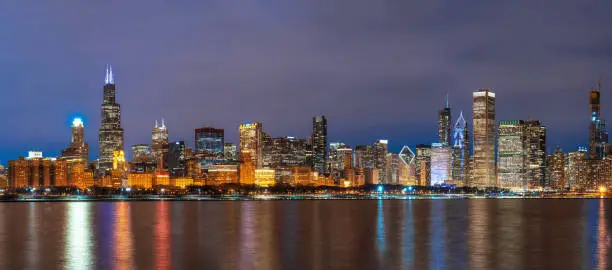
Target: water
x=331, y=234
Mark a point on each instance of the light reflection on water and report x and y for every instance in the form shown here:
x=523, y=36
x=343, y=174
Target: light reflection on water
x=375, y=234
x=78, y=236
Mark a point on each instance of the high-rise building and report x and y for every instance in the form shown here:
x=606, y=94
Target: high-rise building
x=319, y=143
x=408, y=156
x=230, y=153
x=441, y=160
x=461, y=152
x=598, y=136
x=484, y=172
x=285, y=151
x=397, y=171
x=247, y=167
x=176, y=159
x=364, y=156
x=142, y=159
x=444, y=125
x=251, y=140
x=78, y=150
x=110, y=135
x=512, y=154
x=159, y=144
x=209, y=146
x=340, y=158
x=380, y=157
x=556, y=165
x=423, y=164
x=535, y=136
x=577, y=169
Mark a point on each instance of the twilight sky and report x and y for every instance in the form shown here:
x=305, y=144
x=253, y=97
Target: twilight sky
x=376, y=69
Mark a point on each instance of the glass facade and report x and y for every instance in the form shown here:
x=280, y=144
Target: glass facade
x=209, y=146
x=511, y=155
x=484, y=169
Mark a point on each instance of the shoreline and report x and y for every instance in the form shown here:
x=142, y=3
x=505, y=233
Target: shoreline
x=281, y=197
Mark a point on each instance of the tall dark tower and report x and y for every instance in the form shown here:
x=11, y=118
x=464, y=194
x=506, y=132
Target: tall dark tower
x=444, y=125
x=598, y=136
x=319, y=143
x=110, y=135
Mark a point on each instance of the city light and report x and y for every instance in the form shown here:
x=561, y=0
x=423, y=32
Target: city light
x=603, y=189
x=380, y=189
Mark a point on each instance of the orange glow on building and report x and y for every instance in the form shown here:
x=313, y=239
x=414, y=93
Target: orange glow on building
x=222, y=174
x=143, y=180
x=182, y=182
x=264, y=177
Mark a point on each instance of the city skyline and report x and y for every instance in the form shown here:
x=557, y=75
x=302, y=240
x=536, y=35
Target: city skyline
x=402, y=72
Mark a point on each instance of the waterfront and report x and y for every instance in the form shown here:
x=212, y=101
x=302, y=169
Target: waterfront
x=313, y=234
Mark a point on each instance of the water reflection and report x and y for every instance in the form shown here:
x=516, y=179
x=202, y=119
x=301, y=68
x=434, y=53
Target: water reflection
x=78, y=236
x=419, y=234
x=603, y=237
x=162, y=236
x=123, y=237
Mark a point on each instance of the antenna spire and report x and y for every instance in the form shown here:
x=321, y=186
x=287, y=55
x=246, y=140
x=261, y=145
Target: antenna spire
x=447, y=106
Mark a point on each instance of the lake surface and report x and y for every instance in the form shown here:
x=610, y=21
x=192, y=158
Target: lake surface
x=326, y=234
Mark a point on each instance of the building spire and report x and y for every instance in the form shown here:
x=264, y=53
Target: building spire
x=163, y=125
x=156, y=124
x=109, y=79
x=599, y=83
x=447, y=106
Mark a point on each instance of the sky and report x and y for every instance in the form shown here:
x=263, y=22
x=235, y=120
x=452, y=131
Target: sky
x=376, y=69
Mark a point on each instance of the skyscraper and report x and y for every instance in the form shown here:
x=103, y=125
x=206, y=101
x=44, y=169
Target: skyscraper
x=78, y=150
x=598, y=136
x=410, y=159
x=176, y=159
x=511, y=155
x=577, y=169
x=251, y=141
x=535, y=136
x=461, y=152
x=556, y=165
x=423, y=164
x=110, y=135
x=159, y=144
x=380, y=157
x=484, y=172
x=319, y=143
x=209, y=145
x=440, y=164
x=444, y=125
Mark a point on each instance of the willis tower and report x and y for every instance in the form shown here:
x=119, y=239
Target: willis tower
x=110, y=135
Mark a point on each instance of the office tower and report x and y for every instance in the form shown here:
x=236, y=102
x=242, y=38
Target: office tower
x=511, y=154
x=599, y=173
x=364, y=156
x=397, y=171
x=110, y=135
x=461, y=152
x=247, y=167
x=556, y=165
x=251, y=140
x=441, y=159
x=159, y=144
x=319, y=143
x=535, y=136
x=577, y=169
x=176, y=159
x=78, y=150
x=340, y=158
x=423, y=164
x=285, y=151
x=598, y=136
x=444, y=125
x=209, y=146
x=484, y=174
x=142, y=159
x=380, y=158
x=408, y=156
x=230, y=153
